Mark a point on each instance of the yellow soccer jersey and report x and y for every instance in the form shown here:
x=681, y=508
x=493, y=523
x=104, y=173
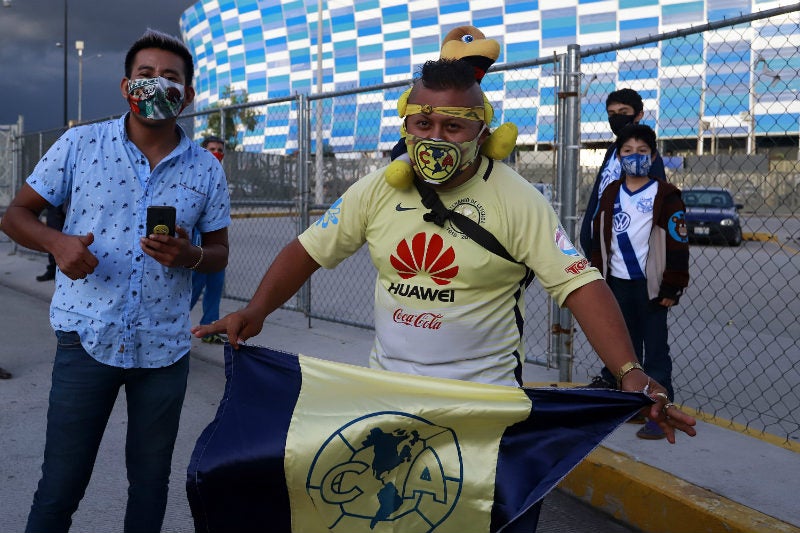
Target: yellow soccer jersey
x=444, y=305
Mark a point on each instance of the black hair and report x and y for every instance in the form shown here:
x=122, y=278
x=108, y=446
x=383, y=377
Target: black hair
x=156, y=39
x=627, y=97
x=212, y=139
x=443, y=74
x=641, y=132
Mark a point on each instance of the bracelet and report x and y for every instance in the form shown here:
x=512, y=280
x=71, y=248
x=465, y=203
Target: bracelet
x=194, y=266
x=626, y=369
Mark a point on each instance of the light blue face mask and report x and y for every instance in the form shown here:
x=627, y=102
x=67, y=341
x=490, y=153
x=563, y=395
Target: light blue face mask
x=155, y=98
x=636, y=164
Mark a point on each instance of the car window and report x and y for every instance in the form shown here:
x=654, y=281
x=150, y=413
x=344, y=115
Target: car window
x=719, y=199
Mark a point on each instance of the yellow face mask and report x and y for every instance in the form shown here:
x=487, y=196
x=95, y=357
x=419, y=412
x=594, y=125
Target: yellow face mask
x=437, y=161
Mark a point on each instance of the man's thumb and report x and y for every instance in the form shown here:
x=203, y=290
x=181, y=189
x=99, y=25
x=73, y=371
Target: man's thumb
x=86, y=239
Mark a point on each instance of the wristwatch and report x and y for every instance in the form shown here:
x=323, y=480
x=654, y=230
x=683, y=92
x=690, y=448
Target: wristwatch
x=626, y=368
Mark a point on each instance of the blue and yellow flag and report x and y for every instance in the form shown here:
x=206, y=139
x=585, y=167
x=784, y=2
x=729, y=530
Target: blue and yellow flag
x=303, y=445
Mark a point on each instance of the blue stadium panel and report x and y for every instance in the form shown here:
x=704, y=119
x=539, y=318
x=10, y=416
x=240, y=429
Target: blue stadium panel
x=524, y=119
x=341, y=19
x=687, y=13
x=515, y=7
x=453, y=6
x=682, y=51
x=728, y=81
x=785, y=123
x=627, y=4
x=368, y=27
x=368, y=126
x=486, y=18
x=606, y=57
x=424, y=17
x=389, y=136
x=528, y=89
x=547, y=130
x=428, y=44
x=392, y=14
x=345, y=110
x=637, y=70
x=678, y=108
x=630, y=30
x=345, y=56
x=559, y=27
x=597, y=22
x=720, y=9
x=522, y=52
x=522, y=26
x=398, y=62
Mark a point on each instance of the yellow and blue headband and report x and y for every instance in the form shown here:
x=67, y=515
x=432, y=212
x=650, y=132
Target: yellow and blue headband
x=476, y=113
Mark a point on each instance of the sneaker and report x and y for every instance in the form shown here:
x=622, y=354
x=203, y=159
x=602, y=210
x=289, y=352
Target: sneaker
x=599, y=382
x=215, y=338
x=651, y=431
x=4, y=374
x=47, y=276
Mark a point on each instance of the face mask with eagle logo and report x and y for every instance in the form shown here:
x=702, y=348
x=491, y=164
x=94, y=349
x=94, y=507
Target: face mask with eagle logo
x=155, y=98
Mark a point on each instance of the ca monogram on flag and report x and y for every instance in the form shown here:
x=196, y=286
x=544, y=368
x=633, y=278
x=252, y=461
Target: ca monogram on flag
x=304, y=445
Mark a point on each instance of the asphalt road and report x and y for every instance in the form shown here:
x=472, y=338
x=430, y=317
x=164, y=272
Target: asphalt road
x=28, y=350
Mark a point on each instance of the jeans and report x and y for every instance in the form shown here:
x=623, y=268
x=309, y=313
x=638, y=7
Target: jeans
x=647, y=325
x=82, y=394
x=213, y=282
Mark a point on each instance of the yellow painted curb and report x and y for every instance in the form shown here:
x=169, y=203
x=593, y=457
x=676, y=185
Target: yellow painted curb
x=759, y=236
x=656, y=502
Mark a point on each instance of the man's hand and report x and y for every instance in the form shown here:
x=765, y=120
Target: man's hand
x=73, y=257
x=170, y=251
x=664, y=412
x=239, y=326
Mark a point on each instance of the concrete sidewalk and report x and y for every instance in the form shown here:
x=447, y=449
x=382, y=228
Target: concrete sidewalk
x=721, y=480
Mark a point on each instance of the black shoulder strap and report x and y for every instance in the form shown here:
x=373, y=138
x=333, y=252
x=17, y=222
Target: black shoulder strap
x=439, y=214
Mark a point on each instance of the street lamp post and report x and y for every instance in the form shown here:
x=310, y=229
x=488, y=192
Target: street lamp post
x=79, y=48
x=319, y=185
x=753, y=97
x=66, y=116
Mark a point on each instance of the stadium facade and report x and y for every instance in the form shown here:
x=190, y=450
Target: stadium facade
x=268, y=48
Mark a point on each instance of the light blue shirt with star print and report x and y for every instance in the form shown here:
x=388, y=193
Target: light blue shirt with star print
x=131, y=312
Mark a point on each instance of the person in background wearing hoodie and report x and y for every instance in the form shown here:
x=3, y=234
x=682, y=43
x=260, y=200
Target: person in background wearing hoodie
x=641, y=248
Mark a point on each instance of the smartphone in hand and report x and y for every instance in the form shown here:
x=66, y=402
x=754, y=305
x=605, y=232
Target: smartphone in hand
x=161, y=220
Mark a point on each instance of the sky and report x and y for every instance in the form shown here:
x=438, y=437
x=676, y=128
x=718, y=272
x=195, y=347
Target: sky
x=32, y=81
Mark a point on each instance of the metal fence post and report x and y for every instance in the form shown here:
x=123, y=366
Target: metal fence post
x=568, y=155
x=303, y=161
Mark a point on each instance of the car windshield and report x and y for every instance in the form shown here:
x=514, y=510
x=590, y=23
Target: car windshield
x=707, y=199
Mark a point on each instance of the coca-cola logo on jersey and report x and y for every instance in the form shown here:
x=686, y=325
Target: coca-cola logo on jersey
x=423, y=320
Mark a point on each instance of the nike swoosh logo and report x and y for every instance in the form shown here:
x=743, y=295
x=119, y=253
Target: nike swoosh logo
x=399, y=207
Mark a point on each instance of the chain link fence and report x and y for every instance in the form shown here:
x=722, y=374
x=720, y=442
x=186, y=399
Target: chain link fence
x=723, y=99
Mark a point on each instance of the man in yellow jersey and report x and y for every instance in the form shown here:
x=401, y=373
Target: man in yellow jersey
x=445, y=306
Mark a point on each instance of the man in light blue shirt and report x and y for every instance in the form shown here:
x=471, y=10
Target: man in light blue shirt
x=121, y=303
